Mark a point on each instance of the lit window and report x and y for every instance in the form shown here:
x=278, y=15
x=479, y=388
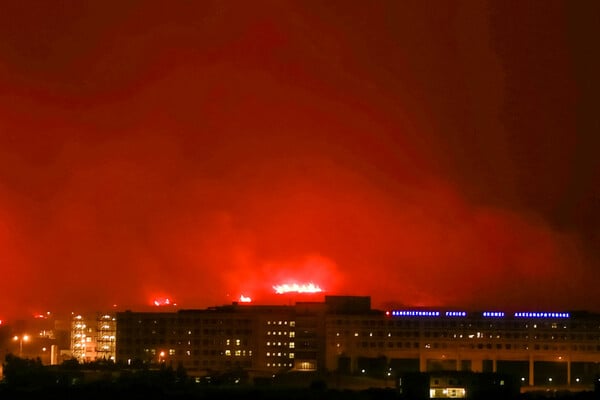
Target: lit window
x=292, y=334
x=171, y=352
x=292, y=345
x=268, y=354
x=238, y=353
x=292, y=323
x=227, y=342
x=227, y=352
x=291, y=355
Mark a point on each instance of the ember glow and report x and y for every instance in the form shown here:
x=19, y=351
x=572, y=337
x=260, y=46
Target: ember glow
x=163, y=301
x=297, y=288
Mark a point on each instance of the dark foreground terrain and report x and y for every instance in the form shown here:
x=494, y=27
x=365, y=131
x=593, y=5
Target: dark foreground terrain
x=110, y=391
x=29, y=379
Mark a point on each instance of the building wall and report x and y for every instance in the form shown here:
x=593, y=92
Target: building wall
x=553, y=349
x=352, y=338
x=218, y=339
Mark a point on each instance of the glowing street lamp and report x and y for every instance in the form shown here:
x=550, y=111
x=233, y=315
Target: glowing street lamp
x=21, y=339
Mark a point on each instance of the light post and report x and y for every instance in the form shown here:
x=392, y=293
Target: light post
x=21, y=339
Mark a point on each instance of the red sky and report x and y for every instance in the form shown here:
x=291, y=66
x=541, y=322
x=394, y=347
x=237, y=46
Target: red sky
x=423, y=153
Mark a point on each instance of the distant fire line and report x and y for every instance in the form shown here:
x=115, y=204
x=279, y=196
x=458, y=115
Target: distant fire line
x=163, y=301
x=245, y=299
x=296, y=288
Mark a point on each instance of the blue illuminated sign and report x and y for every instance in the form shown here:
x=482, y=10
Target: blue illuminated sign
x=415, y=313
x=542, y=315
x=493, y=314
x=456, y=314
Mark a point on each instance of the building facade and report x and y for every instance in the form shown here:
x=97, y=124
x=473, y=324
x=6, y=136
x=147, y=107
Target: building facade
x=216, y=339
x=93, y=337
x=541, y=348
x=344, y=334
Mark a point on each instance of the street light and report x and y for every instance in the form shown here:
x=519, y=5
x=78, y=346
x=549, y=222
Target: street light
x=21, y=339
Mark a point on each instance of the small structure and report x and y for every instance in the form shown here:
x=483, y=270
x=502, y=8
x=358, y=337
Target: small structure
x=457, y=385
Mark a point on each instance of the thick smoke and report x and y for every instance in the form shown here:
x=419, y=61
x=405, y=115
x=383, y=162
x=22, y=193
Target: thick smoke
x=210, y=150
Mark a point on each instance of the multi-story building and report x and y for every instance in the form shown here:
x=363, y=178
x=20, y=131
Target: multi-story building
x=344, y=334
x=216, y=339
x=540, y=348
x=93, y=337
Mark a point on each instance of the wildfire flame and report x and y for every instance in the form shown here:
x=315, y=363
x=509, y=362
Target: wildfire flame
x=296, y=288
x=165, y=301
x=244, y=299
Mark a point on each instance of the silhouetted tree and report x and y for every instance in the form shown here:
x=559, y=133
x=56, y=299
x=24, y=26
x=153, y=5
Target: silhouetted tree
x=25, y=372
x=181, y=373
x=71, y=363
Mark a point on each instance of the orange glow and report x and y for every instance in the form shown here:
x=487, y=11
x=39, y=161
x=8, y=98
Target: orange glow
x=423, y=162
x=297, y=288
x=163, y=301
